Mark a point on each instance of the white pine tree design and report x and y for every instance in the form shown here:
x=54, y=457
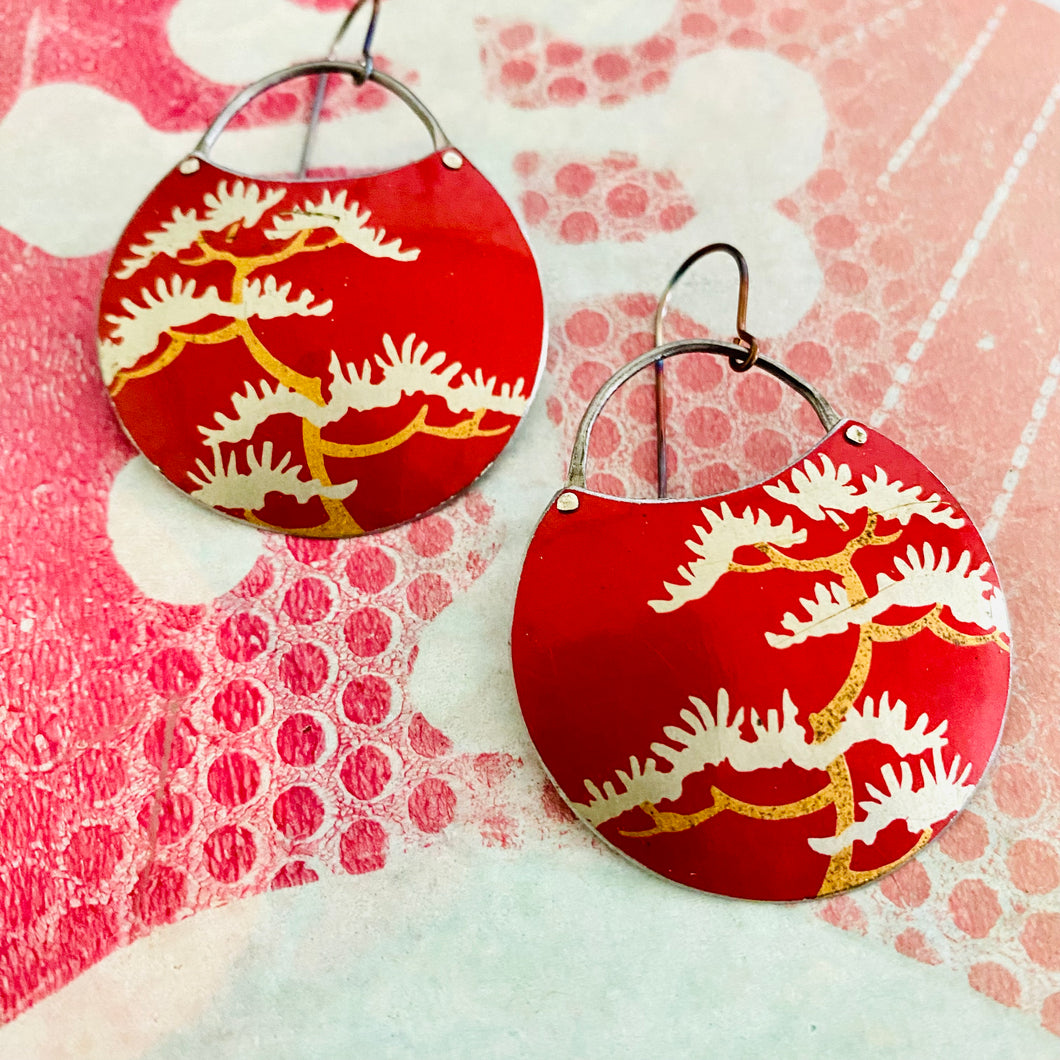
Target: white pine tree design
x=224, y=486
x=709, y=738
x=349, y=223
x=934, y=589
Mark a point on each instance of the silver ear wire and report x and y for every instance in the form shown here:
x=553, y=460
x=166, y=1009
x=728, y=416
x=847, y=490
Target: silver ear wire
x=739, y=364
x=576, y=471
x=322, y=80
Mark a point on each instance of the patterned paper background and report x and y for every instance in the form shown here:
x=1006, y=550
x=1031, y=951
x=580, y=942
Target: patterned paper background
x=193, y=713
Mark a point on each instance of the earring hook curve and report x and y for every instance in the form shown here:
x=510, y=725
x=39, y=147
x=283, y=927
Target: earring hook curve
x=738, y=364
x=322, y=81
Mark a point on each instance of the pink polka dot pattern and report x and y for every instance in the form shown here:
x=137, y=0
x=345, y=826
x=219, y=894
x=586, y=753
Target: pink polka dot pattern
x=1033, y=866
x=307, y=601
x=967, y=838
x=370, y=569
x=167, y=819
x=243, y=745
x=995, y=981
x=366, y=700
x=1041, y=939
x=616, y=199
x=239, y=705
x=366, y=772
x=432, y=805
x=304, y=669
x=174, y=672
x=429, y=594
x=170, y=743
x=243, y=637
x=910, y=886
x=368, y=632
x=159, y=894
x=229, y=853
x=234, y=779
x=911, y=943
x=298, y=812
x=530, y=67
x=363, y=847
x=300, y=740
x=975, y=908
x=293, y=874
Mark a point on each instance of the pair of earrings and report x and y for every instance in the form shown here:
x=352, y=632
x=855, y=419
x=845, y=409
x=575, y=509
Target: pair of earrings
x=779, y=692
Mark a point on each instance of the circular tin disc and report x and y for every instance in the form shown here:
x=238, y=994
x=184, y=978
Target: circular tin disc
x=776, y=693
x=322, y=357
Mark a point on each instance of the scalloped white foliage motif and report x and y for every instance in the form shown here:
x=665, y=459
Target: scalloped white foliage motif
x=717, y=544
x=348, y=222
x=943, y=791
x=926, y=579
x=175, y=305
x=240, y=203
x=268, y=299
x=709, y=738
x=225, y=486
x=923, y=581
x=136, y=334
x=821, y=491
x=410, y=371
x=352, y=389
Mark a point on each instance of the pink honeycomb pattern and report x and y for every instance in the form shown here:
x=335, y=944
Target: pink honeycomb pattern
x=565, y=201
x=157, y=760
x=530, y=66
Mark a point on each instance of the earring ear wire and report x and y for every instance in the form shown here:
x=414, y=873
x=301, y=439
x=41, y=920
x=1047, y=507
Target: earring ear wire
x=322, y=81
x=738, y=363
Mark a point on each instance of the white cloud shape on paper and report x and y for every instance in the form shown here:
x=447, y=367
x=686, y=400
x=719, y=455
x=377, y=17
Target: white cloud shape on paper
x=174, y=549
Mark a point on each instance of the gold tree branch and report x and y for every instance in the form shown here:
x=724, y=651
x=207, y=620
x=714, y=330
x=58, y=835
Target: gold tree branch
x=679, y=822
x=306, y=385
x=841, y=876
x=468, y=428
x=177, y=341
x=825, y=722
x=338, y=524
x=966, y=640
x=244, y=266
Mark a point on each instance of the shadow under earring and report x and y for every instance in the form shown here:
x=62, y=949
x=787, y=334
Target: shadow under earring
x=322, y=356
x=775, y=693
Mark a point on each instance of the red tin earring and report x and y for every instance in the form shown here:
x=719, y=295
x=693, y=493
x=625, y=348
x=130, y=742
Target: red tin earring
x=325, y=356
x=775, y=693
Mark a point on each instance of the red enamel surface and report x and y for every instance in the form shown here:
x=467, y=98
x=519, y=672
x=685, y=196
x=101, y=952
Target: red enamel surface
x=472, y=293
x=600, y=674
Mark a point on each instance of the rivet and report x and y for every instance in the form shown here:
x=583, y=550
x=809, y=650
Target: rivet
x=568, y=502
x=856, y=434
x=190, y=165
x=452, y=159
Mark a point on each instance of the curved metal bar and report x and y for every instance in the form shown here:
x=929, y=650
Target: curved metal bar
x=321, y=66
x=576, y=472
